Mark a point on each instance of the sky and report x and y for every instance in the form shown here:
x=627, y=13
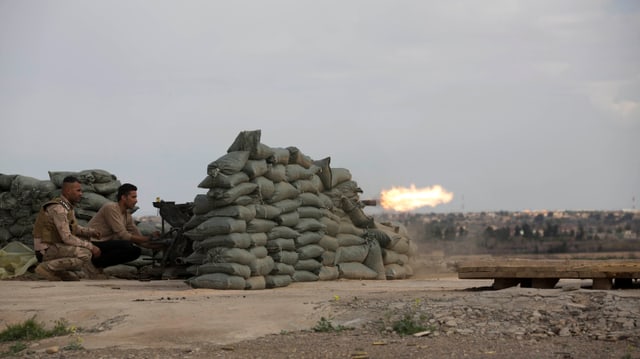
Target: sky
x=509, y=105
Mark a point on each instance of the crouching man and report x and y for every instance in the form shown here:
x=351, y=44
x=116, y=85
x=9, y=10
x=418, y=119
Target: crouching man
x=120, y=239
x=64, y=245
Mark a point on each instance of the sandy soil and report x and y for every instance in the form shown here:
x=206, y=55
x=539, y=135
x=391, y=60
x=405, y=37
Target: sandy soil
x=167, y=318
x=134, y=314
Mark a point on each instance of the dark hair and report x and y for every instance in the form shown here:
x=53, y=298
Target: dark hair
x=70, y=179
x=125, y=189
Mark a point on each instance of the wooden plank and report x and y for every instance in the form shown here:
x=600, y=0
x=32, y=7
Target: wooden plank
x=533, y=268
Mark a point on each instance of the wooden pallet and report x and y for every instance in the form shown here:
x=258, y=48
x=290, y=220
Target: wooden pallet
x=544, y=273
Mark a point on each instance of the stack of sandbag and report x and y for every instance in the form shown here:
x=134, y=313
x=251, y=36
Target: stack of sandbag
x=272, y=216
x=397, y=249
x=21, y=198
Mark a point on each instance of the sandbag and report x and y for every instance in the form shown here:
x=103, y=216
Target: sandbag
x=223, y=180
x=259, y=252
x=258, y=239
x=228, y=164
x=309, y=251
x=294, y=172
x=328, y=273
x=5, y=181
x=380, y=236
x=229, y=255
x=328, y=242
x=339, y=175
x=255, y=283
x=297, y=157
x=356, y=214
x=280, y=156
x=282, y=191
x=311, y=199
x=95, y=176
x=107, y=187
x=305, y=186
x=283, y=268
x=304, y=276
x=396, y=271
x=374, y=259
x=309, y=224
x=328, y=258
x=280, y=244
x=231, y=240
x=266, y=188
x=346, y=240
x=392, y=257
x=234, y=269
x=331, y=227
x=8, y=201
x=282, y=232
x=92, y=201
x=310, y=265
x=311, y=237
x=244, y=213
x=287, y=205
x=259, y=225
x=255, y=168
x=288, y=257
x=354, y=270
x=217, y=281
x=216, y=225
x=277, y=173
x=261, y=266
x=352, y=254
x=58, y=176
x=266, y=211
x=226, y=196
x=278, y=280
x=310, y=212
x=289, y=219
x=250, y=141
x=347, y=227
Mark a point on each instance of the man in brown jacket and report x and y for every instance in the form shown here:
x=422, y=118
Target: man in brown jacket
x=120, y=237
x=57, y=235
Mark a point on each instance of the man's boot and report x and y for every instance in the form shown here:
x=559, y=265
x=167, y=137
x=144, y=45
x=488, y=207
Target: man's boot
x=68, y=276
x=47, y=273
x=89, y=271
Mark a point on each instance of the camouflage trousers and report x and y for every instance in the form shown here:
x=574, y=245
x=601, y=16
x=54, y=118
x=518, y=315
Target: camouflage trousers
x=61, y=257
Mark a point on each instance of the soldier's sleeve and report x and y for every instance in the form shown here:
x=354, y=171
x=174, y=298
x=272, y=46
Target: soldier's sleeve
x=59, y=216
x=85, y=231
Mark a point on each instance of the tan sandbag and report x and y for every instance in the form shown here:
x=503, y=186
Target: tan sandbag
x=255, y=283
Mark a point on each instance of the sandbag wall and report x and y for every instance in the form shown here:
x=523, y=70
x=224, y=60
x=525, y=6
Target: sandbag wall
x=22, y=196
x=272, y=216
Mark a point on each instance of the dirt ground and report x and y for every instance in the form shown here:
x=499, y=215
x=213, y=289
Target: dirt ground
x=168, y=319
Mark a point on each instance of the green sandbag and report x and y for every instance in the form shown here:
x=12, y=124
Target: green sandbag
x=217, y=281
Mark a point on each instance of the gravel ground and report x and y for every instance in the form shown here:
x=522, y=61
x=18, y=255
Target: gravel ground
x=567, y=322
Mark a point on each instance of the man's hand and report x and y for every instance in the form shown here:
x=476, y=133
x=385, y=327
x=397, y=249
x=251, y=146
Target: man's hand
x=95, y=251
x=96, y=234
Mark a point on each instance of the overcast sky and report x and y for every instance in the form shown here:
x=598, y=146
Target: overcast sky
x=510, y=105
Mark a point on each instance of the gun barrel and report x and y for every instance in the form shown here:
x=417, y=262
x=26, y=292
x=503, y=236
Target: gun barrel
x=369, y=202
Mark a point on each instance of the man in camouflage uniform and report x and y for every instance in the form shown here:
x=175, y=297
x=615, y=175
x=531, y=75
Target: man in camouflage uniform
x=57, y=235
